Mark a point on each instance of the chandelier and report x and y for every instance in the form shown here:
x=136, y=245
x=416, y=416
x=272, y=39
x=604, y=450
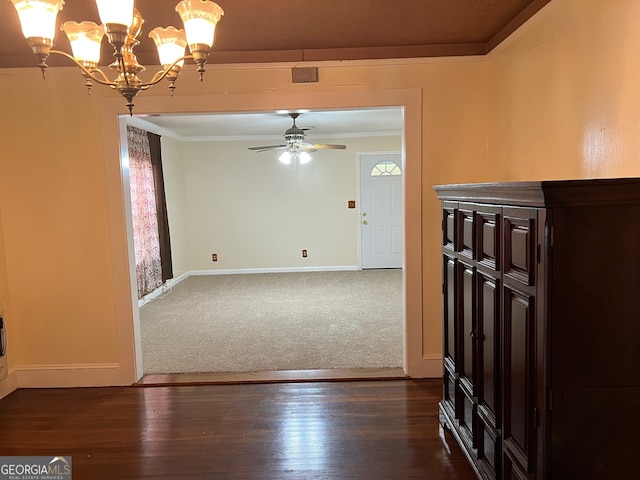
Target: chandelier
x=122, y=25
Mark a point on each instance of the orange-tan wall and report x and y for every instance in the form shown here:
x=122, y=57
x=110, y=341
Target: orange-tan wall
x=564, y=93
x=4, y=288
x=559, y=99
x=67, y=266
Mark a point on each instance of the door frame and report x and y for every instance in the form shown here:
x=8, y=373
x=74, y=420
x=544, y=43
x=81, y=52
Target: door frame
x=359, y=156
x=126, y=314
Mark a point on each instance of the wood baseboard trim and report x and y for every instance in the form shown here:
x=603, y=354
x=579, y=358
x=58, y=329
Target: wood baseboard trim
x=432, y=366
x=9, y=384
x=281, y=376
x=53, y=376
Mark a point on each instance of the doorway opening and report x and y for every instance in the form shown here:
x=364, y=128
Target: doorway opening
x=410, y=101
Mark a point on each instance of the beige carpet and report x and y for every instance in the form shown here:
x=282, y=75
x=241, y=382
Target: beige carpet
x=275, y=321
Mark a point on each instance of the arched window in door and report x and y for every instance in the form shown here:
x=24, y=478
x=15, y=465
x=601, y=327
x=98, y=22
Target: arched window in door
x=385, y=167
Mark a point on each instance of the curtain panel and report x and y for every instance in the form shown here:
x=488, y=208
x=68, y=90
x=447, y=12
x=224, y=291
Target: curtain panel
x=161, y=206
x=144, y=212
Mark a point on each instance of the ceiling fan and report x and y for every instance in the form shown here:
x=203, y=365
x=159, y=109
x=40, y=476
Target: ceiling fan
x=294, y=137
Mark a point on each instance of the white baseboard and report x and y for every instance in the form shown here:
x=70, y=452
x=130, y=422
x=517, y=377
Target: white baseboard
x=236, y=271
x=48, y=376
x=169, y=284
x=172, y=282
x=432, y=366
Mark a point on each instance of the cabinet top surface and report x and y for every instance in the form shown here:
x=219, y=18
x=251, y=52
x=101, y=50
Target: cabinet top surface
x=551, y=193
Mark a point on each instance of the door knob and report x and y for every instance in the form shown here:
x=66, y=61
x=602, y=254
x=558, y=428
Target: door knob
x=364, y=222
x=364, y=214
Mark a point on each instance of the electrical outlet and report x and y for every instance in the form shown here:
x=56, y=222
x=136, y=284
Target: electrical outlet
x=304, y=254
x=214, y=257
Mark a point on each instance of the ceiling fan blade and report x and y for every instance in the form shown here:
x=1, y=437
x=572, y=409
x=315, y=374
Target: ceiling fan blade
x=322, y=146
x=264, y=148
x=270, y=149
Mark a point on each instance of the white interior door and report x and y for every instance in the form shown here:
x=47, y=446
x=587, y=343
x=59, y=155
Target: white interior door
x=381, y=219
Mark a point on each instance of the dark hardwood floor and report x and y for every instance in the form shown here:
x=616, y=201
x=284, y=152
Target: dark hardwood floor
x=386, y=429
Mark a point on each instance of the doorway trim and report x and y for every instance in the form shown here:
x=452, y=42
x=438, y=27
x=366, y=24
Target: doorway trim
x=117, y=173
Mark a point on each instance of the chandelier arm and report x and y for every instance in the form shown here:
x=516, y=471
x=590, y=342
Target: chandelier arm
x=159, y=76
x=103, y=81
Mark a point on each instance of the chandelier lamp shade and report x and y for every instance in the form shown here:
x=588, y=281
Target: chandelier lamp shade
x=122, y=25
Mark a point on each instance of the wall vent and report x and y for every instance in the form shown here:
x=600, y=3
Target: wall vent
x=304, y=74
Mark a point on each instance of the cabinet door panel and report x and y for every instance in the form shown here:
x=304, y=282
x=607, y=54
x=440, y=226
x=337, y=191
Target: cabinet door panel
x=512, y=471
x=519, y=245
x=468, y=418
x=449, y=234
x=467, y=231
x=519, y=387
x=450, y=393
x=450, y=330
x=468, y=334
x=489, y=450
x=488, y=322
x=488, y=237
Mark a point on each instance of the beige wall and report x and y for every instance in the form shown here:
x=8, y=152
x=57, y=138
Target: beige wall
x=175, y=191
x=559, y=99
x=256, y=213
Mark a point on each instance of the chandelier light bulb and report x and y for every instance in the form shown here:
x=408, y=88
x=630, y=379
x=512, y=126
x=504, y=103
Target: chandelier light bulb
x=85, y=39
x=285, y=158
x=200, y=18
x=304, y=157
x=116, y=12
x=171, y=44
x=38, y=18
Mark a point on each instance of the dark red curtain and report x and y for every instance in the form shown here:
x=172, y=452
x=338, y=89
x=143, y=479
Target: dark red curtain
x=161, y=206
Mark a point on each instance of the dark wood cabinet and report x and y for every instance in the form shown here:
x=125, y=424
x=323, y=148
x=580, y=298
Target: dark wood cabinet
x=541, y=327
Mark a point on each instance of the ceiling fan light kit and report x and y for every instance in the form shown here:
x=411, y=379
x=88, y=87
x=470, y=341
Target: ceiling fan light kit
x=122, y=25
x=296, y=149
x=299, y=157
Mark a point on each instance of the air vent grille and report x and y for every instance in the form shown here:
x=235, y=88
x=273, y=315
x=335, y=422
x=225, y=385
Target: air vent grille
x=304, y=74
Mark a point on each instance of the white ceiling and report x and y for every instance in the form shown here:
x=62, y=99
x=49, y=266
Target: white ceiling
x=272, y=125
